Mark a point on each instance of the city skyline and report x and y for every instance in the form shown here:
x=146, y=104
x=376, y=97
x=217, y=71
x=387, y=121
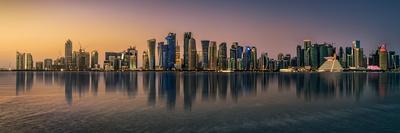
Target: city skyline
x=41, y=27
x=311, y=56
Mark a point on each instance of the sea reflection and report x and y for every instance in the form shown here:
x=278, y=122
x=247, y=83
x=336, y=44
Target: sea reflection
x=187, y=88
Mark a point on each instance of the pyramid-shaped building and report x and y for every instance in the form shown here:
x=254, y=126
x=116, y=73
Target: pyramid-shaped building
x=331, y=65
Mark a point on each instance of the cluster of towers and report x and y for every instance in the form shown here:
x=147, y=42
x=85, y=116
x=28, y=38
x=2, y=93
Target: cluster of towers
x=166, y=55
x=210, y=57
x=72, y=60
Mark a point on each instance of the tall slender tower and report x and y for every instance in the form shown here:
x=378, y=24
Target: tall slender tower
x=307, y=52
x=170, y=51
x=357, y=54
x=152, y=53
x=68, y=54
x=186, y=40
x=383, y=58
x=94, y=62
x=222, y=57
x=178, y=63
x=212, y=55
x=29, y=61
x=20, y=61
x=205, y=46
x=192, y=54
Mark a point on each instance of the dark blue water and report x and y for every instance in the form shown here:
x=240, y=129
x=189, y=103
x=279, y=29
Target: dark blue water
x=199, y=102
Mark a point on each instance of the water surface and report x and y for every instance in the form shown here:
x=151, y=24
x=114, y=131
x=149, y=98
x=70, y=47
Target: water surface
x=199, y=102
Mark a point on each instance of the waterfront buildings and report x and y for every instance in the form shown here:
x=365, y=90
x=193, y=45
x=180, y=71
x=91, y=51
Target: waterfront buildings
x=24, y=61
x=39, y=65
x=192, y=55
x=29, y=62
x=383, y=57
x=358, y=55
x=159, y=54
x=94, y=61
x=68, y=54
x=170, y=54
x=20, y=61
x=82, y=59
x=213, y=56
x=186, y=40
x=308, y=57
x=48, y=63
x=178, y=61
x=131, y=56
x=152, y=53
x=222, y=57
x=205, y=47
x=145, y=59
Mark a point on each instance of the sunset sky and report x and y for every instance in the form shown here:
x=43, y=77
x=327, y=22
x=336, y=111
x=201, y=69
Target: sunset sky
x=41, y=27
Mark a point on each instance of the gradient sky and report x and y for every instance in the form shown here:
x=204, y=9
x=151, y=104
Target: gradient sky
x=41, y=27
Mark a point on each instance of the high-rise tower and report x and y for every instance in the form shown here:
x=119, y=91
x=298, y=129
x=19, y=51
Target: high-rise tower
x=68, y=54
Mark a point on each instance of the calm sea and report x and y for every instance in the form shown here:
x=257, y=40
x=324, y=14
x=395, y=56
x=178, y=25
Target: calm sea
x=199, y=102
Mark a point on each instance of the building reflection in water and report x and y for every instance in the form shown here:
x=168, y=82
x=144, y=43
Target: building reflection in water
x=149, y=86
x=121, y=82
x=166, y=87
x=24, y=82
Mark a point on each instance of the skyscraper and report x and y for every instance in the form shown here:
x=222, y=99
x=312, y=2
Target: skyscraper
x=82, y=60
x=222, y=57
x=20, y=61
x=164, y=56
x=205, y=46
x=159, y=54
x=239, y=55
x=357, y=54
x=94, y=62
x=145, y=65
x=48, y=63
x=322, y=52
x=264, y=61
x=247, y=58
x=186, y=40
x=340, y=56
x=132, y=57
x=192, y=54
x=349, y=57
x=253, y=63
x=39, y=65
x=300, y=56
x=307, y=53
x=152, y=53
x=391, y=59
x=213, y=56
x=68, y=54
x=233, y=57
x=314, y=58
x=29, y=61
x=178, y=60
x=383, y=57
x=171, y=54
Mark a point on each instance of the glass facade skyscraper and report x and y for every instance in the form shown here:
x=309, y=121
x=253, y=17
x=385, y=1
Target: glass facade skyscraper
x=205, y=46
x=68, y=54
x=171, y=42
x=213, y=55
x=186, y=40
x=152, y=53
x=222, y=57
x=192, y=54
